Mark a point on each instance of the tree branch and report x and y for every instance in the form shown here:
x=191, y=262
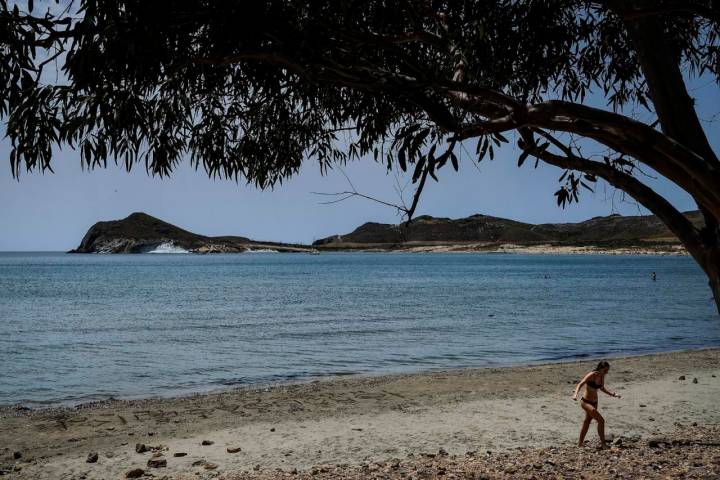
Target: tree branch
x=676, y=221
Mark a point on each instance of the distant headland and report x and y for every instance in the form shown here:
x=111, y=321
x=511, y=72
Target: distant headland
x=142, y=233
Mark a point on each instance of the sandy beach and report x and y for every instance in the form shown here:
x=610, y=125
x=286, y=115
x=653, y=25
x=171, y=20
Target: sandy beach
x=355, y=421
x=547, y=249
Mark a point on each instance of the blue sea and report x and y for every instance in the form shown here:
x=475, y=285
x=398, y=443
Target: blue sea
x=78, y=328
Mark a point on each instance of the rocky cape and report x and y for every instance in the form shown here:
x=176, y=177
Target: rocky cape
x=142, y=233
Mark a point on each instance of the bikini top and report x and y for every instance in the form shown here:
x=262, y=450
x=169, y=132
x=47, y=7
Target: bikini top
x=592, y=384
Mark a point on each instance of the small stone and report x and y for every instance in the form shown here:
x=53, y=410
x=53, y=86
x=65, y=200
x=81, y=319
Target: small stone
x=642, y=405
x=234, y=449
x=655, y=442
x=92, y=457
x=179, y=454
x=256, y=467
x=17, y=455
x=157, y=463
x=682, y=377
x=694, y=424
x=272, y=429
x=442, y=453
x=135, y=473
x=109, y=454
x=198, y=463
x=695, y=380
x=207, y=442
x=210, y=466
x=293, y=471
x=713, y=375
x=141, y=448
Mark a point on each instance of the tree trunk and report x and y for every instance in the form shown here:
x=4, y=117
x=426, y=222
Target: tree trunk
x=678, y=119
x=712, y=269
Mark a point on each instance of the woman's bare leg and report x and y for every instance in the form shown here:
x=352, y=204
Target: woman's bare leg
x=591, y=413
x=584, y=429
x=601, y=429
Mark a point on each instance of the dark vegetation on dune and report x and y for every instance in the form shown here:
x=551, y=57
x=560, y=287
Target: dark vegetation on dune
x=613, y=230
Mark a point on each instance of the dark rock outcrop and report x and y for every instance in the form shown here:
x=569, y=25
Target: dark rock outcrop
x=142, y=233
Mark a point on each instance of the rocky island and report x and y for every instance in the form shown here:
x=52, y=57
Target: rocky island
x=142, y=233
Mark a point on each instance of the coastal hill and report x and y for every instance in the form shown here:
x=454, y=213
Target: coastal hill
x=610, y=231
x=141, y=233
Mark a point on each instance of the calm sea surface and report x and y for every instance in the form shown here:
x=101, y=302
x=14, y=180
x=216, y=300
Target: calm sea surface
x=75, y=328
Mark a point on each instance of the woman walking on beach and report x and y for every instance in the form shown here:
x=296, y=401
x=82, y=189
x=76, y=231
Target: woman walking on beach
x=593, y=382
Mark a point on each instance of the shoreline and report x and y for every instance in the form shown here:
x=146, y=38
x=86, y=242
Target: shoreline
x=356, y=420
x=263, y=386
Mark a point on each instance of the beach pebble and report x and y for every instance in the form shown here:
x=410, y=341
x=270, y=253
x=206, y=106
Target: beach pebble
x=141, y=448
x=682, y=377
x=198, y=463
x=157, y=463
x=92, y=457
x=695, y=380
x=207, y=442
x=272, y=429
x=654, y=442
x=135, y=473
x=17, y=455
x=234, y=449
x=179, y=454
x=210, y=466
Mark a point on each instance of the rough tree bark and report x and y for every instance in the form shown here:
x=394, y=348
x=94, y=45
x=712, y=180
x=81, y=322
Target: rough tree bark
x=678, y=118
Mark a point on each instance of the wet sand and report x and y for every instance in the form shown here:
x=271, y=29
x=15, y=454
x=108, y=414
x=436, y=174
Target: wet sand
x=359, y=420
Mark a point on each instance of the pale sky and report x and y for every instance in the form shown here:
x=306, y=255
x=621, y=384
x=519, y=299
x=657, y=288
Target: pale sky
x=52, y=212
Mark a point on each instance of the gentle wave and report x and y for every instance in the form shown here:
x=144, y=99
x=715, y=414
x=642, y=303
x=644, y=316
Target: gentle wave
x=168, y=247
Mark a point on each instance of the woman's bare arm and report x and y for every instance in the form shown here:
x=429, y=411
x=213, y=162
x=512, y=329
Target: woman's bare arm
x=579, y=385
x=612, y=394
